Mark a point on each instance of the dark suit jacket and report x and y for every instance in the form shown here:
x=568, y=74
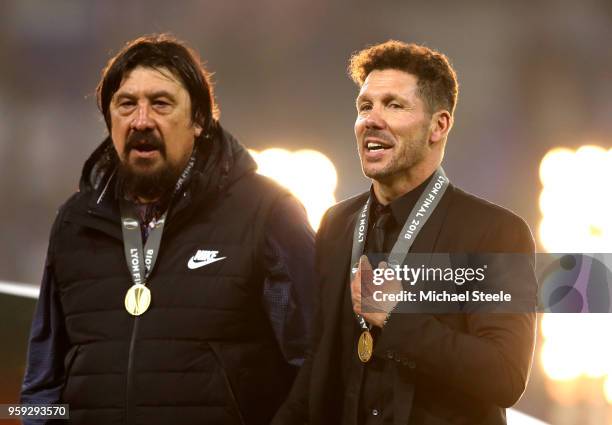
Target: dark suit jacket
x=451, y=368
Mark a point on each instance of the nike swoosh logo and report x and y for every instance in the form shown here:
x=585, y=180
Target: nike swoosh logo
x=193, y=264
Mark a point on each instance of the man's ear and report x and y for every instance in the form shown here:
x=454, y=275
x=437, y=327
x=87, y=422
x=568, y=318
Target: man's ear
x=441, y=123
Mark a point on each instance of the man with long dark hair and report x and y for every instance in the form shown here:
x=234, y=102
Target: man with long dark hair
x=177, y=281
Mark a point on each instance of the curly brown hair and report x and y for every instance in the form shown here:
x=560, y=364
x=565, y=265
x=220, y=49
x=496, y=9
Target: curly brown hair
x=437, y=80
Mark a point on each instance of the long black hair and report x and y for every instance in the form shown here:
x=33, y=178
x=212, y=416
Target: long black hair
x=162, y=51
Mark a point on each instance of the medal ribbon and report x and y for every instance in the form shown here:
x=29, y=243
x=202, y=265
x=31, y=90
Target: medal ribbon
x=419, y=215
x=140, y=261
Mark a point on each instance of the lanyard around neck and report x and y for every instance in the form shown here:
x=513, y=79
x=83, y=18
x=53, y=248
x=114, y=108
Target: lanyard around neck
x=140, y=260
x=419, y=215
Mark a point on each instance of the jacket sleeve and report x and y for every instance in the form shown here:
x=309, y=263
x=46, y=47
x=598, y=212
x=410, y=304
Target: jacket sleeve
x=492, y=358
x=295, y=409
x=48, y=345
x=288, y=286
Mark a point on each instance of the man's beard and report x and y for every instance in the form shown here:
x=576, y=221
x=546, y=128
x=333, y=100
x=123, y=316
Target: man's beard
x=148, y=185
x=408, y=155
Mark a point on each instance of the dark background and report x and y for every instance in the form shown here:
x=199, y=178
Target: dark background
x=533, y=75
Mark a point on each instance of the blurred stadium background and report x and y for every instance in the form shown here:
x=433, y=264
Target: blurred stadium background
x=533, y=131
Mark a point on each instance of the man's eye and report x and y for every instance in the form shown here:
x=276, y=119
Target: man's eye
x=126, y=104
x=395, y=105
x=161, y=103
x=364, y=107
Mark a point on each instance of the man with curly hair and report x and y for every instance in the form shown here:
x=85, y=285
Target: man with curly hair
x=382, y=366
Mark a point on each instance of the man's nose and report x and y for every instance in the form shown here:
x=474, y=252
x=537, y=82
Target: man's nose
x=375, y=120
x=142, y=120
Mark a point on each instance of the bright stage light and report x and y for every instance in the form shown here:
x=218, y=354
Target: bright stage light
x=576, y=211
x=576, y=217
x=308, y=174
x=575, y=346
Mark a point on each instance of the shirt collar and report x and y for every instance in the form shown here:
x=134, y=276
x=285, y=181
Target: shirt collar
x=402, y=206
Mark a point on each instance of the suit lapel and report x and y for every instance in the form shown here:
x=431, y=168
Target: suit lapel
x=338, y=277
x=426, y=241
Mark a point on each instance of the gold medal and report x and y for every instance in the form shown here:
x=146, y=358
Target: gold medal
x=365, y=346
x=137, y=299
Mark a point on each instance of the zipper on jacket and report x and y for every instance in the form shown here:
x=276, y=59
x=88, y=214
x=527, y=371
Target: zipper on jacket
x=129, y=389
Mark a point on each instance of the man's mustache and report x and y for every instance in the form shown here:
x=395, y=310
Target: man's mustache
x=144, y=139
x=378, y=134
